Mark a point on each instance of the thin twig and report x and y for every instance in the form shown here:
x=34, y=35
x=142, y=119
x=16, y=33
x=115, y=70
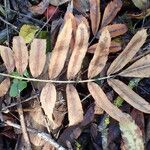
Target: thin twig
x=23, y=125
x=40, y=134
x=55, y=81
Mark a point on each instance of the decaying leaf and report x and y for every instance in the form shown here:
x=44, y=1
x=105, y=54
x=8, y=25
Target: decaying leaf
x=132, y=135
x=128, y=53
x=114, y=47
x=4, y=87
x=8, y=58
x=58, y=2
x=59, y=53
x=40, y=8
x=129, y=95
x=28, y=32
x=100, y=55
x=79, y=51
x=48, y=100
x=95, y=15
x=141, y=4
x=37, y=56
x=140, y=68
x=117, y=29
x=110, y=12
x=75, y=111
x=20, y=54
x=103, y=102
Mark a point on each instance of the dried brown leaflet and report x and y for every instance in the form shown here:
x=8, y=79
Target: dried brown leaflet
x=20, y=54
x=95, y=15
x=100, y=55
x=4, y=86
x=129, y=95
x=128, y=53
x=37, y=57
x=75, y=111
x=60, y=50
x=79, y=51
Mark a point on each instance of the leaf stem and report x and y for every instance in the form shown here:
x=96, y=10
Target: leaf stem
x=56, y=81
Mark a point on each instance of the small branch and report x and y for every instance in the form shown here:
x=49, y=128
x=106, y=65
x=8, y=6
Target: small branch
x=55, y=81
x=42, y=135
x=23, y=125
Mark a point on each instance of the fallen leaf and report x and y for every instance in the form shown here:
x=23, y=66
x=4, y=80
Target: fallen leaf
x=100, y=55
x=59, y=53
x=129, y=95
x=117, y=29
x=95, y=15
x=8, y=58
x=37, y=57
x=140, y=68
x=114, y=47
x=110, y=12
x=102, y=101
x=141, y=4
x=20, y=54
x=132, y=135
x=40, y=8
x=48, y=100
x=28, y=32
x=128, y=53
x=79, y=51
x=4, y=87
x=75, y=111
x=58, y=2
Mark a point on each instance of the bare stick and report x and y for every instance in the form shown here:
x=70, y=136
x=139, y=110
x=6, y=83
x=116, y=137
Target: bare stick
x=42, y=135
x=23, y=125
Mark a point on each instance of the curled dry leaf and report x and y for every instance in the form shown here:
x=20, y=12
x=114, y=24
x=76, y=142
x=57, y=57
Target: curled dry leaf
x=37, y=56
x=75, y=111
x=110, y=12
x=103, y=102
x=59, y=53
x=8, y=58
x=48, y=100
x=95, y=15
x=128, y=53
x=4, y=87
x=132, y=135
x=114, y=47
x=79, y=51
x=100, y=55
x=20, y=54
x=140, y=68
x=129, y=95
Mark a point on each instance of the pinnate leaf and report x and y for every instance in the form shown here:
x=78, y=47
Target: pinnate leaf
x=8, y=58
x=59, y=53
x=128, y=53
x=20, y=54
x=75, y=111
x=129, y=95
x=79, y=51
x=100, y=55
x=37, y=56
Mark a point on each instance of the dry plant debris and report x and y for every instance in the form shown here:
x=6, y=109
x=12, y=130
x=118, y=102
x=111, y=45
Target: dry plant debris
x=64, y=67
